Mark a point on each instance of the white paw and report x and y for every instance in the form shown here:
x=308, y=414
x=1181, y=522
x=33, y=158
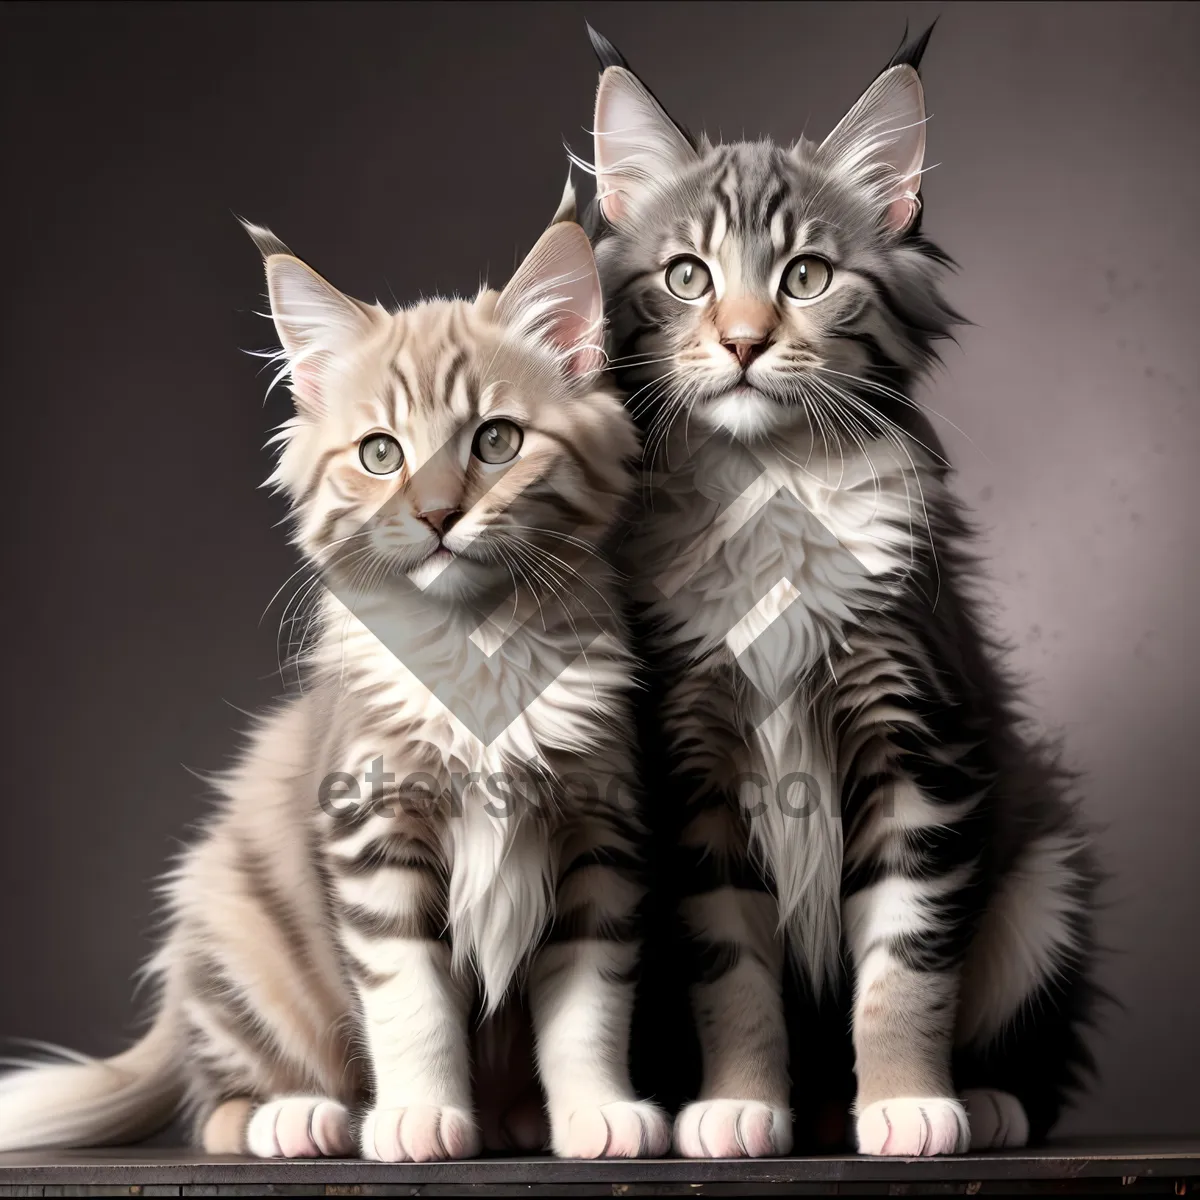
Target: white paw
x=622, y=1129
x=424, y=1133
x=732, y=1129
x=300, y=1127
x=913, y=1127
x=997, y=1119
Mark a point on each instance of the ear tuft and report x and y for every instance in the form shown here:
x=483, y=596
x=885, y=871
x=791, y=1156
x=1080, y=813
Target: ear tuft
x=263, y=238
x=607, y=54
x=911, y=52
x=315, y=322
x=555, y=298
x=566, y=210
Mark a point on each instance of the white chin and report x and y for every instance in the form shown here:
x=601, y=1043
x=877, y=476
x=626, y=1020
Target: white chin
x=427, y=574
x=744, y=412
x=468, y=579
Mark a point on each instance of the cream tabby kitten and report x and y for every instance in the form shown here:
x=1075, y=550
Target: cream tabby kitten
x=442, y=819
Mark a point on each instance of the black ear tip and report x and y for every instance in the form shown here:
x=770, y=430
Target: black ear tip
x=912, y=51
x=604, y=50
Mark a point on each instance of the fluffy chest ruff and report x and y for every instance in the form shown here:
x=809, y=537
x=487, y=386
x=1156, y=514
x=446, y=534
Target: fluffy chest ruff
x=739, y=536
x=768, y=559
x=418, y=699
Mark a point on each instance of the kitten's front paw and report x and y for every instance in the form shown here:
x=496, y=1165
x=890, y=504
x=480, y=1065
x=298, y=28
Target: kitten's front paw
x=732, y=1129
x=418, y=1134
x=300, y=1127
x=622, y=1129
x=997, y=1119
x=913, y=1127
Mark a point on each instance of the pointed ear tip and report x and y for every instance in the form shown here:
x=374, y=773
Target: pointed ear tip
x=281, y=258
x=618, y=85
x=908, y=77
x=611, y=76
x=569, y=232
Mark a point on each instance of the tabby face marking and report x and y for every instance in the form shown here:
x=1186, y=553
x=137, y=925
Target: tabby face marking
x=821, y=295
x=434, y=380
x=436, y=446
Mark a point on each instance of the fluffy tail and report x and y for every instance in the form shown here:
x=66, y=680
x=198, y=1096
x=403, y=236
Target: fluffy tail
x=95, y=1102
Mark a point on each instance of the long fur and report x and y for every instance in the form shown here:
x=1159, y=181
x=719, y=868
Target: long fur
x=807, y=591
x=439, y=829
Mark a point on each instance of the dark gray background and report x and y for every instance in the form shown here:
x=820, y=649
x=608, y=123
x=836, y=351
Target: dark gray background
x=406, y=149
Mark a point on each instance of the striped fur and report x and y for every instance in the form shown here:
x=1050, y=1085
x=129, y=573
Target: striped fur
x=379, y=877
x=858, y=791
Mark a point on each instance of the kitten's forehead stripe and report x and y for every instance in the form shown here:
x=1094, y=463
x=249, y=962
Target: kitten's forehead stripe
x=406, y=389
x=454, y=369
x=727, y=197
x=708, y=225
x=772, y=203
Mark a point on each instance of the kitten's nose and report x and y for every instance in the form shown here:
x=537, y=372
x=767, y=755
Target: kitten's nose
x=440, y=520
x=745, y=350
x=746, y=327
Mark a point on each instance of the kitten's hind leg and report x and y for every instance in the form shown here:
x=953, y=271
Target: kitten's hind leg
x=997, y=1119
x=224, y=1132
x=286, y=1127
x=1027, y=995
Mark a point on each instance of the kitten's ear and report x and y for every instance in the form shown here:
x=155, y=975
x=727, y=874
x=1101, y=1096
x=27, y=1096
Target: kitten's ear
x=555, y=297
x=315, y=322
x=881, y=140
x=636, y=142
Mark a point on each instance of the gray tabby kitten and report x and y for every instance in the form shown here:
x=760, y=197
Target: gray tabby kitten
x=378, y=869
x=856, y=790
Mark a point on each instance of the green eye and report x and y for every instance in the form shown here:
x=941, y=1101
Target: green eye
x=806, y=277
x=497, y=442
x=688, y=278
x=381, y=454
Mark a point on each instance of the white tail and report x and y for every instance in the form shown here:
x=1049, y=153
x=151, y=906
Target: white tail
x=94, y=1102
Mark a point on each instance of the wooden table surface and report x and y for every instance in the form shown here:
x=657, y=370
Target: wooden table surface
x=1128, y=1167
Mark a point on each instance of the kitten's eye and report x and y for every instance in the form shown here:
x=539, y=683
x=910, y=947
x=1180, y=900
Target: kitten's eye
x=806, y=277
x=688, y=278
x=497, y=442
x=380, y=454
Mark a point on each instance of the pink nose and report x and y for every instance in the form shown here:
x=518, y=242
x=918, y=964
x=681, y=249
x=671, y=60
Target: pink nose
x=440, y=520
x=745, y=350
